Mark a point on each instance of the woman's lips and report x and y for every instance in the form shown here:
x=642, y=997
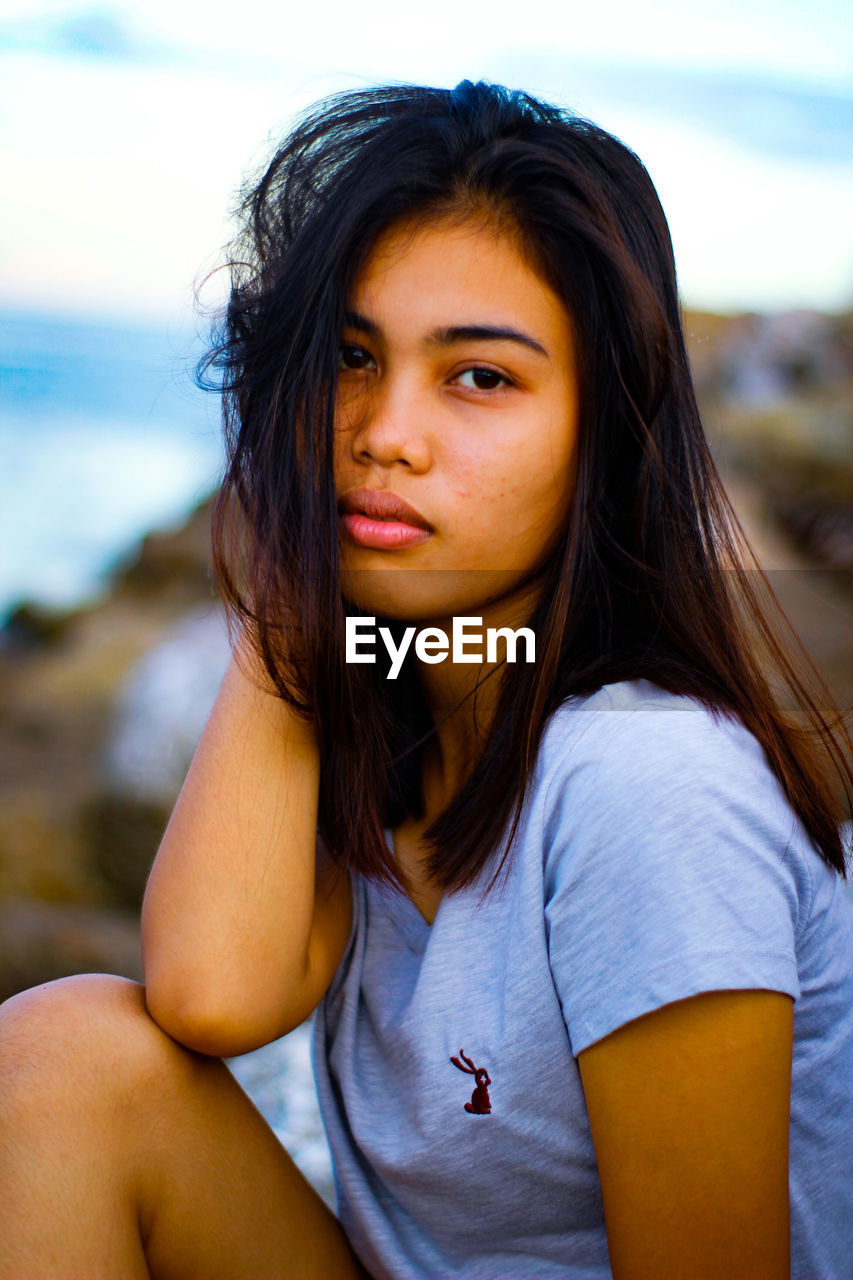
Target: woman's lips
x=381, y=519
x=382, y=534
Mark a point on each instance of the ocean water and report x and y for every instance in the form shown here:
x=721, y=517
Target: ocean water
x=103, y=437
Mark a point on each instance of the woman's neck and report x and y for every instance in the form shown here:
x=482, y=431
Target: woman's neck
x=462, y=698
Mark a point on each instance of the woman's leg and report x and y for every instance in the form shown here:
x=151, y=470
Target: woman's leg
x=124, y=1155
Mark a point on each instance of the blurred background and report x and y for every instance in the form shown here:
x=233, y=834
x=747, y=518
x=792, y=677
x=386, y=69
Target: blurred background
x=125, y=133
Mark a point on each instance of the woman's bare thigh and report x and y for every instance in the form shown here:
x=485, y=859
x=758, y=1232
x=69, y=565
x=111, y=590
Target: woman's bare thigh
x=124, y=1154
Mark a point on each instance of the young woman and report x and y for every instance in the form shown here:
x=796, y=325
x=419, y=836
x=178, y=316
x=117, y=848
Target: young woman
x=573, y=927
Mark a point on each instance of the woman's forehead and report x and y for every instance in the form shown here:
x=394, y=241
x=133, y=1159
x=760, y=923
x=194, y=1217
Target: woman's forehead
x=480, y=228
x=439, y=272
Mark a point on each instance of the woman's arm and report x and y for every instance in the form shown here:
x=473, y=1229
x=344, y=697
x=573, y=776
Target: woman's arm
x=689, y=1109
x=242, y=926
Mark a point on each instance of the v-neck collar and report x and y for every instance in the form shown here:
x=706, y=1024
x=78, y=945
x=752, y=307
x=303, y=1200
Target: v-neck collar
x=401, y=909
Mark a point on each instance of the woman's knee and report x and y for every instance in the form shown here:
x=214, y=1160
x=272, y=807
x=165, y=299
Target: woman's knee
x=83, y=1037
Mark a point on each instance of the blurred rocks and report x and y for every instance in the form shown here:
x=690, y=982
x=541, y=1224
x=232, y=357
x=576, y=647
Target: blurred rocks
x=777, y=398
x=100, y=710
x=758, y=361
x=818, y=519
x=122, y=835
x=768, y=358
x=41, y=941
x=173, y=566
x=31, y=626
x=159, y=712
x=163, y=706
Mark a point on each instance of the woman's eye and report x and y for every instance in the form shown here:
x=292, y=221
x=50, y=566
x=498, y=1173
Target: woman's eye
x=351, y=356
x=483, y=379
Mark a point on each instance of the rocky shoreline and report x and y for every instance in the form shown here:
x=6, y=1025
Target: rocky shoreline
x=76, y=838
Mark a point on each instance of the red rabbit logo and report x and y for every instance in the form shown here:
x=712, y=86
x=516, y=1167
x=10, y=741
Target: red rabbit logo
x=479, y=1104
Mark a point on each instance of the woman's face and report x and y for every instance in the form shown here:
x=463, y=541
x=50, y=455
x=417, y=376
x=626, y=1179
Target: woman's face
x=456, y=394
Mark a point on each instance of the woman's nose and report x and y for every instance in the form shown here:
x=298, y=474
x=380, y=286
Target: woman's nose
x=392, y=425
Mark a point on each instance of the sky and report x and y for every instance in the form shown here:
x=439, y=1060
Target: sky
x=126, y=129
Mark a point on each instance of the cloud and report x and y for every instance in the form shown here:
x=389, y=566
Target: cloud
x=123, y=159
x=759, y=114
x=91, y=33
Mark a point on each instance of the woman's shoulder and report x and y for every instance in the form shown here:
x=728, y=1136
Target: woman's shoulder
x=673, y=863
x=652, y=776
x=636, y=731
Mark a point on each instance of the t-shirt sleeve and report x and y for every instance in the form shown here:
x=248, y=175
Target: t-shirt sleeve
x=673, y=866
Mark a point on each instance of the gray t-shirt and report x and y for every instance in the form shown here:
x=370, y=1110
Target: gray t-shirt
x=657, y=858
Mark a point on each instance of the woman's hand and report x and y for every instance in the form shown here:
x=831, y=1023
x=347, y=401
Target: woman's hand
x=242, y=925
x=689, y=1108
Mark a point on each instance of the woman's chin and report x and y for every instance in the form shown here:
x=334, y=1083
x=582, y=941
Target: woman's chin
x=424, y=596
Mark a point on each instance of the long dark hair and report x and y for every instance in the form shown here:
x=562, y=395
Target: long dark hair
x=653, y=578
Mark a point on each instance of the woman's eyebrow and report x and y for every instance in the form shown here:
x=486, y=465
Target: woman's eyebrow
x=446, y=337
x=353, y=320
x=483, y=332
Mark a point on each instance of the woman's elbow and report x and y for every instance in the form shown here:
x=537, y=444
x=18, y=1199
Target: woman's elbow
x=207, y=1022
x=219, y=1018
